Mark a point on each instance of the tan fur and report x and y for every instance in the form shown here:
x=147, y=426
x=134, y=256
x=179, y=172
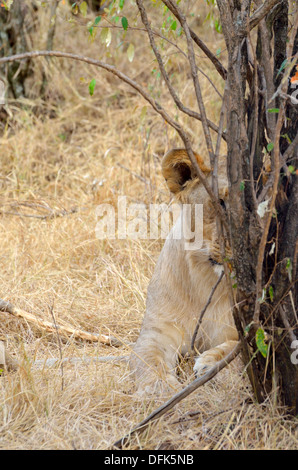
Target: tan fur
x=180, y=287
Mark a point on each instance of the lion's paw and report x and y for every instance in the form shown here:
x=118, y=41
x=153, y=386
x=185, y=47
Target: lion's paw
x=202, y=365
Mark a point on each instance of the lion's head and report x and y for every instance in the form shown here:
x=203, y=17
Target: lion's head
x=188, y=189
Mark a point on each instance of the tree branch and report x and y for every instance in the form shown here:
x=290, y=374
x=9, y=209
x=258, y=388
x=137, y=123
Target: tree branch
x=171, y=89
x=155, y=105
x=263, y=242
x=261, y=12
x=193, y=68
x=218, y=65
x=110, y=68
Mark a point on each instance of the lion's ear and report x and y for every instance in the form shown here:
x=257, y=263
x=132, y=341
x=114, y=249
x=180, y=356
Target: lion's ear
x=177, y=169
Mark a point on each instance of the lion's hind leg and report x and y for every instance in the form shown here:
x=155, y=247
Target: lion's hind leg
x=210, y=357
x=153, y=360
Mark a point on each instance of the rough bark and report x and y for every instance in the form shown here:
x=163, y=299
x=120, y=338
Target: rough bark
x=249, y=130
x=13, y=41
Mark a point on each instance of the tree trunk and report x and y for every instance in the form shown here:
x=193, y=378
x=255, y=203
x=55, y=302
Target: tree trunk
x=250, y=128
x=13, y=41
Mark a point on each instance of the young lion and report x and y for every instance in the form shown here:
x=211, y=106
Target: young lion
x=180, y=287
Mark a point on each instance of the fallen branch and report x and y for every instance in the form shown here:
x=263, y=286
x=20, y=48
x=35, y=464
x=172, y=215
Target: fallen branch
x=64, y=330
x=179, y=396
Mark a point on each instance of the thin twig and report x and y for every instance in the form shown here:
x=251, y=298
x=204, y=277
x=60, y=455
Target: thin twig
x=133, y=173
x=276, y=171
x=218, y=65
x=293, y=147
x=155, y=105
x=193, y=69
x=255, y=124
x=179, y=396
x=287, y=324
x=204, y=310
x=219, y=226
x=263, y=241
x=191, y=57
x=166, y=78
x=110, y=68
x=155, y=33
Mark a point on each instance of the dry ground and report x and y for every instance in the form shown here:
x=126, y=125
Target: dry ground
x=70, y=155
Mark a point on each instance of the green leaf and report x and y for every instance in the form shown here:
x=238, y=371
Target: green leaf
x=270, y=146
x=75, y=8
x=97, y=20
x=273, y=110
x=83, y=8
x=124, y=23
x=282, y=66
x=130, y=52
x=285, y=136
x=292, y=169
x=174, y=25
x=121, y=4
x=260, y=342
x=289, y=268
x=242, y=186
x=247, y=328
x=7, y=4
x=106, y=36
x=92, y=86
x=217, y=26
x=271, y=293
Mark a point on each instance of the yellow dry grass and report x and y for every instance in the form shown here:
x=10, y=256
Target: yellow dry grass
x=70, y=156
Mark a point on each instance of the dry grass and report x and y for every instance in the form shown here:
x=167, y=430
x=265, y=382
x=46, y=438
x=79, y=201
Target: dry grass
x=67, y=158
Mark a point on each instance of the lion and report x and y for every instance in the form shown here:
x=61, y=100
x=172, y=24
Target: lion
x=180, y=287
